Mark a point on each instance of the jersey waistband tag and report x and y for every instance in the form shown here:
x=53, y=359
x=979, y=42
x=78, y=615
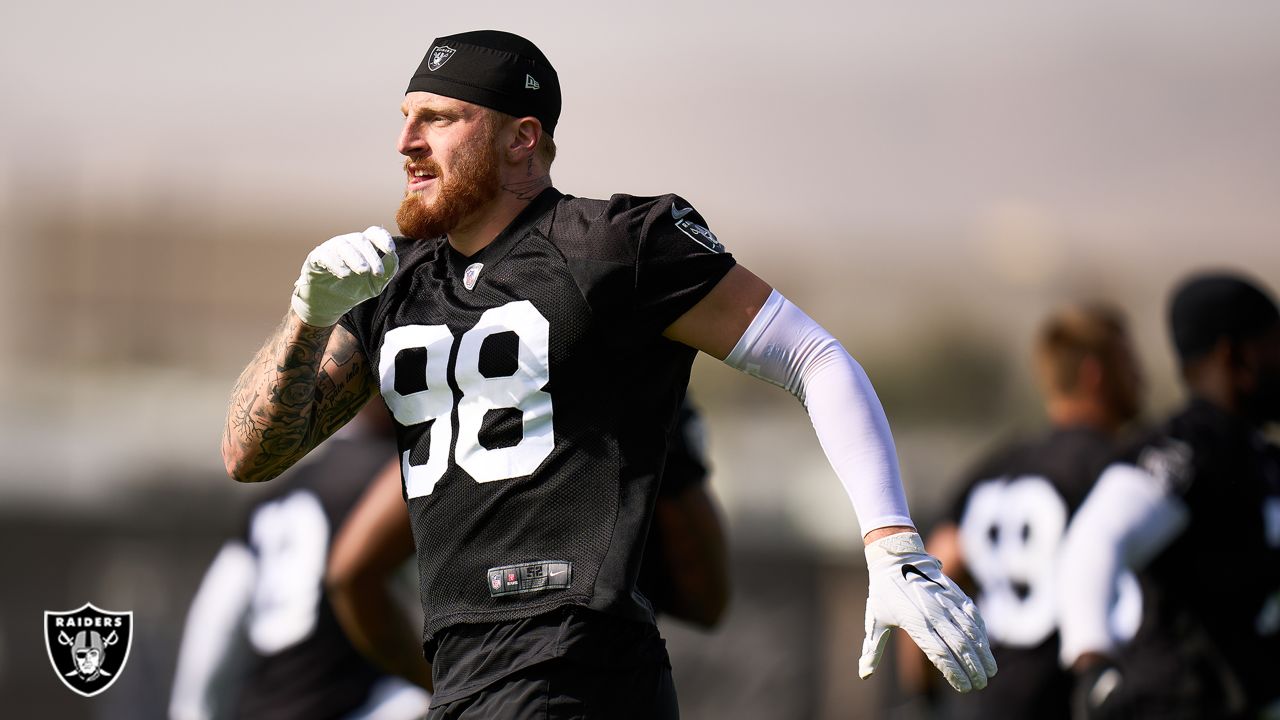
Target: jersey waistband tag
x=529, y=577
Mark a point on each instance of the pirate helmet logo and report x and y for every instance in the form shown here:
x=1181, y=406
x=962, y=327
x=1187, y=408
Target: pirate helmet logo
x=440, y=55
x=88, y=647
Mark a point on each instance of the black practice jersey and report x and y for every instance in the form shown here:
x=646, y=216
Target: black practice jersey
x=533, y=394
x=1209, y=643
x=1012, y=515
x=304, y=666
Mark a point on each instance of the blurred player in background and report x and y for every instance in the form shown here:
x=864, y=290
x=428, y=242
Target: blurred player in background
x=534, y=348
x=1194, y=508
x=685, y=572
x=261, y=640
x=686, y=569
x=1002, y=535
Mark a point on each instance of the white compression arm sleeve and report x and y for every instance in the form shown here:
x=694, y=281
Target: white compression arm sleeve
x=215, y=654
x=787, y=348
x=1126, y=520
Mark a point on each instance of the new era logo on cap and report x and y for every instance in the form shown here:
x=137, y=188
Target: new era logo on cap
x=530, y=83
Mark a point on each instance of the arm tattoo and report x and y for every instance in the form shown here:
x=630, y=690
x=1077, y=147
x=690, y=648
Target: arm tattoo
x=345, y=384
x=304, y=384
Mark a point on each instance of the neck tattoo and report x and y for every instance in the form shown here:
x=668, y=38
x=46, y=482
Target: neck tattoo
x=528, y=189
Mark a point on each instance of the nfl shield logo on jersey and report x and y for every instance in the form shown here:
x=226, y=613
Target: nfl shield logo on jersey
x=471, y=274
x=88, y=647
x=440, y=55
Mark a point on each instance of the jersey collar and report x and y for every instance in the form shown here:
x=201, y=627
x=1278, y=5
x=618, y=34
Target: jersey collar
x=492, y=253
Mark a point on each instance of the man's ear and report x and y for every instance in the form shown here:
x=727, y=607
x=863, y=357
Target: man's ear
x=524, y=139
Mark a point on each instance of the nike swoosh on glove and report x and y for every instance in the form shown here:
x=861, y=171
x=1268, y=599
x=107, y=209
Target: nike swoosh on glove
x=343, y=272
x=908, y=590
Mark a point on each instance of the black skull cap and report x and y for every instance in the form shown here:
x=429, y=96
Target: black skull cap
x=1207, y=307
x=495, y=69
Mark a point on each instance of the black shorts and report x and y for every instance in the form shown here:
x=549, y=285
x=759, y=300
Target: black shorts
x=565, y=689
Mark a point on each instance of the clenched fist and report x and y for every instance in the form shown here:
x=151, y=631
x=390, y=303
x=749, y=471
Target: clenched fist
x=343, y=272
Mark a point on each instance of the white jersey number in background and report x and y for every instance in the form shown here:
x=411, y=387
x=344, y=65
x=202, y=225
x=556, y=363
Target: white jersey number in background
x=290, y=537
x=1010, y=535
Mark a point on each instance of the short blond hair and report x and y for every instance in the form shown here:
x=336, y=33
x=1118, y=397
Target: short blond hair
x=1073, y=333
x=547, y=149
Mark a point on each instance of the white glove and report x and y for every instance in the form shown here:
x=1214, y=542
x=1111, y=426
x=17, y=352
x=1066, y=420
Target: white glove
x=908, y=590
x=343, y=272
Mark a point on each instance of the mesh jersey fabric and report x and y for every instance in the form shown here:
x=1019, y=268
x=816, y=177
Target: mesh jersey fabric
x=1011, y=514
x=562, y=314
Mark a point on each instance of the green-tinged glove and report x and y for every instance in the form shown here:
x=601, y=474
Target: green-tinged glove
x=343, y=272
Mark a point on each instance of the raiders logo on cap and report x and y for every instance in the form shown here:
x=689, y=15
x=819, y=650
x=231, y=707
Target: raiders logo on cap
x=439, y=55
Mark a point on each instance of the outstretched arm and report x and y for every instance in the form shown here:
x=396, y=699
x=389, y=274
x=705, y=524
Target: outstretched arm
x=745, y=323
x=754, y=329
x=373, y=543
x=311, y=377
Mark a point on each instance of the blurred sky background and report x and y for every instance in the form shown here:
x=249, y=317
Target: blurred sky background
x=925, y=179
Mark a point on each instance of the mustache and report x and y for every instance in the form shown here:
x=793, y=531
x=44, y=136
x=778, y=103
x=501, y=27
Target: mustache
x=425, y=164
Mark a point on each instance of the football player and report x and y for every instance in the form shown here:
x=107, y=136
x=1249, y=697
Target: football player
x=1194, y=508
x=261, y=640
x=534, y=348
x=1003, y=532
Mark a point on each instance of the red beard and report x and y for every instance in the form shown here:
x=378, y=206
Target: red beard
x=472, y=182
